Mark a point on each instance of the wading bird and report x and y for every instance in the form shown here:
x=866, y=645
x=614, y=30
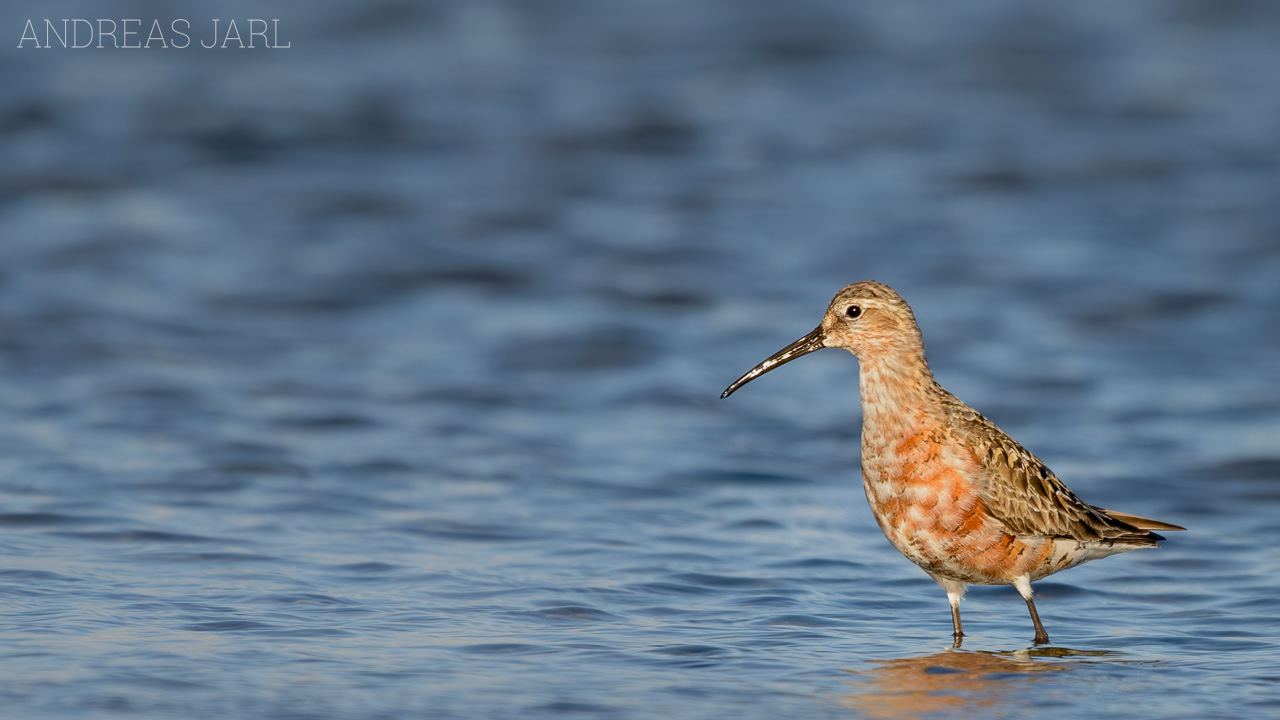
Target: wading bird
x=950, y=490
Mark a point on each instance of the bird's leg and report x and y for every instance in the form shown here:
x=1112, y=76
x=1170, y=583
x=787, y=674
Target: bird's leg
x=958, y=635
x=955, y=593
x=1042, y=637
x=1023, y=584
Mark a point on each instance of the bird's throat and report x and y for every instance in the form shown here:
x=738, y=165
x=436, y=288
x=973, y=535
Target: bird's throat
x=898, y=391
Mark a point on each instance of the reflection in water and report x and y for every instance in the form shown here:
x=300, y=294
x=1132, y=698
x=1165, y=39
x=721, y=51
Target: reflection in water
x=954, y=680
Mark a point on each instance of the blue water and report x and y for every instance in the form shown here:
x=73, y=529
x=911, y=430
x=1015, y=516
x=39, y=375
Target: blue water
x=378, y=377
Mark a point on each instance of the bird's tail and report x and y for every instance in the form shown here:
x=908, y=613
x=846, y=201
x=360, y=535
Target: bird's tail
x=1139, y=522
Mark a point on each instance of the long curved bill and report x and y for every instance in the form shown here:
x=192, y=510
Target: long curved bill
x=815, y=340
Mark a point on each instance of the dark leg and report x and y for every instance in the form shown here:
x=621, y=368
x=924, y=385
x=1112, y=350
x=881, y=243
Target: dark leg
x=955, y=593
x=1023, y=584
x=958, y=635
x=1042, y=637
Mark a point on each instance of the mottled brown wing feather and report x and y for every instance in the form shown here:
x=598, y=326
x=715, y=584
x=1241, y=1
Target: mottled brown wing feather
x=1024, y=495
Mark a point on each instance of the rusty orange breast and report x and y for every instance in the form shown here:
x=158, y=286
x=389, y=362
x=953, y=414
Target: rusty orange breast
x=926, y=503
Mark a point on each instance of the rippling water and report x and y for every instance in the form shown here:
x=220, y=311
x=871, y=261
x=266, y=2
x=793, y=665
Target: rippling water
x=378, y=377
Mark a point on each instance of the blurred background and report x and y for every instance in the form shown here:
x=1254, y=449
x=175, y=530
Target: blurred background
x=377, y=376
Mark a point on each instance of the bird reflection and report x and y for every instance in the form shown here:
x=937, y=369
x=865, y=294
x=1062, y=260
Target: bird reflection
x=953, y=681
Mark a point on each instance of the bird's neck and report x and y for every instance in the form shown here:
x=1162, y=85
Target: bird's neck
x=898, y=391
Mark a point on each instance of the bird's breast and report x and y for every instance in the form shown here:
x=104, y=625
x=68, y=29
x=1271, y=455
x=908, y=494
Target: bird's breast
x=921, y=488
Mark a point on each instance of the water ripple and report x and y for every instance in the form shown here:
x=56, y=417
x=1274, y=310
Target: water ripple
x=378, y=378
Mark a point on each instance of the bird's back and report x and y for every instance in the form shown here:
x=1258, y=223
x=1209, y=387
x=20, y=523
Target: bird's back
x=1028, y=498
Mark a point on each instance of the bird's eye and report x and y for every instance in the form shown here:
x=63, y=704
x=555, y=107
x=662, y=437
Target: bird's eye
x=853, y=311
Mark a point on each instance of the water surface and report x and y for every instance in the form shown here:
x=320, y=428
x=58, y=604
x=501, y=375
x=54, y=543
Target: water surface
x=379, y=377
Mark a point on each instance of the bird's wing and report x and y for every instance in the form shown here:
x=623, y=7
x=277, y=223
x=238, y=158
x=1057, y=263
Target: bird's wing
x=1028, y=499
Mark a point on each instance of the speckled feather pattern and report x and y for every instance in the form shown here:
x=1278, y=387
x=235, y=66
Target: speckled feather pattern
x=953, y=492
x=963, y=500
